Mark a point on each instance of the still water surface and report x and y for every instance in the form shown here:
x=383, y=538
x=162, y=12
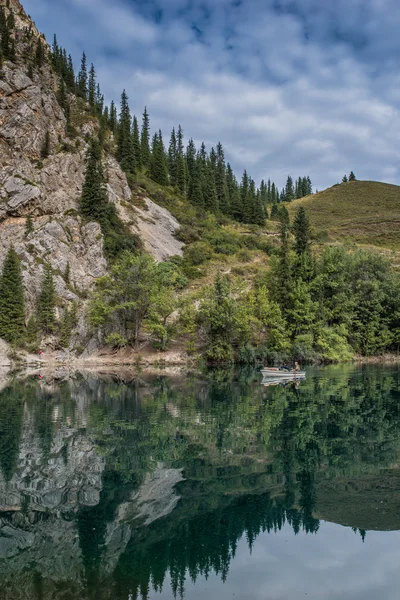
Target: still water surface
x=201, y=487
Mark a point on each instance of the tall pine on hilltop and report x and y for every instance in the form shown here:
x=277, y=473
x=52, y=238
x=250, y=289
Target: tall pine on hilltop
x=12, y=303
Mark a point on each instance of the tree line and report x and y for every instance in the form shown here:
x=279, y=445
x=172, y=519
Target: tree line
x=14, y=327
x=202, y=177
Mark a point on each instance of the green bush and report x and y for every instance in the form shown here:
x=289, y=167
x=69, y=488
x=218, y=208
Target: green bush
x=224, y=242
x=198, y=253
x=115, y=340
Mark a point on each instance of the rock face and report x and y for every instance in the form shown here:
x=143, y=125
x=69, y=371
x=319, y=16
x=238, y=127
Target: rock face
x=49, y=188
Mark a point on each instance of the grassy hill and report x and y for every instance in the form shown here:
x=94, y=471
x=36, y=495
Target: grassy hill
x=361, y=212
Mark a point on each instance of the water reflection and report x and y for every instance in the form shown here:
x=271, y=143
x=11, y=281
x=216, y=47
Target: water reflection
x=108, y=489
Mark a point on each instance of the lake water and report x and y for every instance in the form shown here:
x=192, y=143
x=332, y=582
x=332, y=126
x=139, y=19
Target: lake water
x=211, y=487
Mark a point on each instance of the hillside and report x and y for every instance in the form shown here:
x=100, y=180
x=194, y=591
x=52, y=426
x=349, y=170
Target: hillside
x=361, y=212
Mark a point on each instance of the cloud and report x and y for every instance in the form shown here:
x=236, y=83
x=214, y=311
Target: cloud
x=304, y=87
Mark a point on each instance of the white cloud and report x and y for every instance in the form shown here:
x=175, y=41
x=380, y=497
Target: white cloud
x=308, y=89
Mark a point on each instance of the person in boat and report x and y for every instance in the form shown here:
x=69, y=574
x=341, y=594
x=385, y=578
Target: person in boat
x=284, y=368
x=297, y=367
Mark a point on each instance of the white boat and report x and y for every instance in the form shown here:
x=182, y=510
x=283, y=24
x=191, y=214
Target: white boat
x=282, y=374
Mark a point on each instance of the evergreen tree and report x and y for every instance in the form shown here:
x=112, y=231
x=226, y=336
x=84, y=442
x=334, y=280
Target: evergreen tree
x=289, y=190
x=301, y=229
x=12, y=303
x=99, y=102
x=181, y=173
x=70, y=77
x=158, y=164
x=125, y=149
x=191, y=160
x=28, y=225
x=274, y=212
x=46, y=146
x=259, y=214
x=47, y=302
x=65, y=329
x=83, y=78
x=92, y=87
x=67, y=273
x=32, y=332
x=344, y=179
x=137, y=155
x=94, y=201
x=231, y=189
x=145, y=140
x=39, y=54
x=62, y=96
x=209, y=189
x=220, y=181
x=352, y=177
x=113, y=119
x=172, y=159
x=195, y=188
x=245, y=198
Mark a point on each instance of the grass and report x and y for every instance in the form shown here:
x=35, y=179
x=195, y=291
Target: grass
x=358, y=212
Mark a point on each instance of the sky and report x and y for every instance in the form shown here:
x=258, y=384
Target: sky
x=300, y=87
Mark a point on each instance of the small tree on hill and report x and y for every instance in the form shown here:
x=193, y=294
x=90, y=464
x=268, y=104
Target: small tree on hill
x=28, y=225
x=47, y=302
x=344, y=180
x=301, y=229
x=12, y=303
x=352, y=177
x=45, y=152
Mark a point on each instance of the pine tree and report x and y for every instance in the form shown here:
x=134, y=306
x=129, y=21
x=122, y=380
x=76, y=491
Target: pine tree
x=94, y=201
x=259, y=214
x=145, y=140
x=220, y=181
x=83, y=78
x=195, y=188
x=12, y=303
x=67, y=273
x=47, y=302
x=92, y=87
x=125, y=149
x=32, y=332
x=137, y=155
x=352, y=177
x=113, y=119
x=301, y=229
x=344, y=179
x=65, y=329
x=158, y=163
x=62, y=96
x=181, y=174
x=289, y=190
x=45, y=152
x=173, y=159
x=28, y=225
x=209, y=189
x=39, y=54
x=70, y=77
x=246, y=199
x=191, y=160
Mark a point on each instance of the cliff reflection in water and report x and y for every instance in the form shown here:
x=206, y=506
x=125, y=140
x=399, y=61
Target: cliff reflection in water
x=107, y=488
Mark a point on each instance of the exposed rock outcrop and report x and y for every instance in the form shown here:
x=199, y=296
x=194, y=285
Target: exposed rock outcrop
x=48, y=186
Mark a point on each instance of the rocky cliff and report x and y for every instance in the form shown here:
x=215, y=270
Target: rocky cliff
x=49, y=188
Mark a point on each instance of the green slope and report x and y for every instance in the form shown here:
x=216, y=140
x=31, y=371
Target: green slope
x=361, y=212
